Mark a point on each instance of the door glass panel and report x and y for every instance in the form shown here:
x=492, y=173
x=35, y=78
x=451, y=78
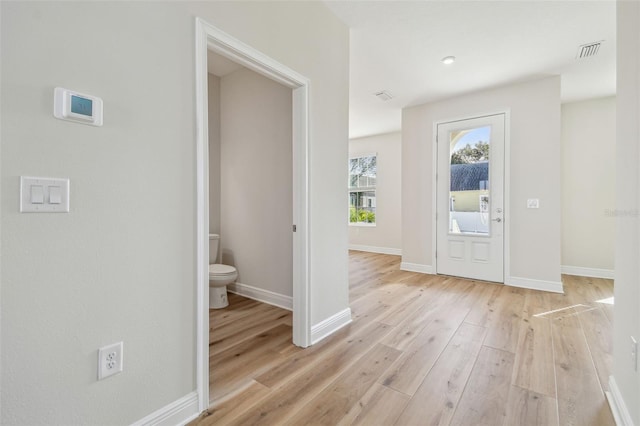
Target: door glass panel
x=469, y=203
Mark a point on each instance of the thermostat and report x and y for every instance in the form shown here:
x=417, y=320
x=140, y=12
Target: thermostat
x=78, y=107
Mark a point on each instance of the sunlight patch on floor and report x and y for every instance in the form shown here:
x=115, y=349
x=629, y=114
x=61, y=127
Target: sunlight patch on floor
x=560, y=310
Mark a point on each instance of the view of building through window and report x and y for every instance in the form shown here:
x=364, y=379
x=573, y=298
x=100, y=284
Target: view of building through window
x=362, y=189
x=469, y=202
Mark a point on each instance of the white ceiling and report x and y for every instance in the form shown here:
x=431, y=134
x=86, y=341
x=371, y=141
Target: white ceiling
x=397, y=46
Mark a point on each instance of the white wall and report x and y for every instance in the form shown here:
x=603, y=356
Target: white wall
x=627, y=269
x=121, y=265
x=256, y=180
x=213, y=83
x=588, y=185
x=535, y=173
x=386, y=235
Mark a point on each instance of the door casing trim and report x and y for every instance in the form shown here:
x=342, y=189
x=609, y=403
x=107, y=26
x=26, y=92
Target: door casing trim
x=208, y=37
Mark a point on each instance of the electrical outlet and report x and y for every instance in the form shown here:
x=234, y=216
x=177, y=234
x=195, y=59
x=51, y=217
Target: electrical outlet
x=533, y=203
x=634, y=354
x=110, y=360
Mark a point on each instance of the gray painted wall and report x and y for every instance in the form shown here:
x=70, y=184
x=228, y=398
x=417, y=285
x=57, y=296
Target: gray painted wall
x=535, y=173
x=588, y=183
x=387, y=232
x=256, y=202
x=627, y=269
x=121, y=265
x=214, y=154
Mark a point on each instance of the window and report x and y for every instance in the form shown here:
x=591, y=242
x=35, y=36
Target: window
x=362, y=189
x=469, y=178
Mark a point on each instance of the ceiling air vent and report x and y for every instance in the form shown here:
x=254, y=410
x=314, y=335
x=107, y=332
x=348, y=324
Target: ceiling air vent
x=383, y=95
x=588, y=50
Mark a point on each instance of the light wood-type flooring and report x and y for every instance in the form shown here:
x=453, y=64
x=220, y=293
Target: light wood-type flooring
x=421, y=350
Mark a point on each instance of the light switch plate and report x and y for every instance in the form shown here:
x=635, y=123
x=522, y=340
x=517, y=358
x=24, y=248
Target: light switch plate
x=50, y=201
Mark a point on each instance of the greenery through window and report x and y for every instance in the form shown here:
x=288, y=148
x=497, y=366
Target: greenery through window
x=471, y=154
x=362, y=189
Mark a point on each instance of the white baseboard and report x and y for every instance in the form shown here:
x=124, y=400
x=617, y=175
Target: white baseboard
x=330, y=325
x=265, y=296
x=618, y=407
x=416, y=267
x=179, y=412
x=587, y=272
x=374, y=249
x=551, y=286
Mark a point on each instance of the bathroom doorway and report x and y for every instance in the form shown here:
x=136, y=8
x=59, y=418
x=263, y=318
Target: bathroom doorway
x=250, y=179
x=253, y=71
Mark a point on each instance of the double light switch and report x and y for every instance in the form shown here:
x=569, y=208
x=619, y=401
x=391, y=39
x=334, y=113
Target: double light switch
x=44, y=195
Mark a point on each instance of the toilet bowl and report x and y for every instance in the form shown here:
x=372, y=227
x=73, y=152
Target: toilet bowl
x=219, y=276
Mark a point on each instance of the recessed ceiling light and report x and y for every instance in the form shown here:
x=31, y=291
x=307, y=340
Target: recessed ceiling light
x=448, y=60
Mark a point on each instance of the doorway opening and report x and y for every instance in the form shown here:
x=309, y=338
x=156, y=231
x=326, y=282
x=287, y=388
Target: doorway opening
x=211, y=39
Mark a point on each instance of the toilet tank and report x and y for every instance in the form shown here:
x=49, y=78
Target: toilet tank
x=214, y=243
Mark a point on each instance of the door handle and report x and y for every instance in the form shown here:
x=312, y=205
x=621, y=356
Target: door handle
x=497, y=220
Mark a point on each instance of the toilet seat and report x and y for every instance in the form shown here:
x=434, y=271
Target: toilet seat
x=220, y=270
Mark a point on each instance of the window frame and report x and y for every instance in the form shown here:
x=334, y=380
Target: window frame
x=361, y=189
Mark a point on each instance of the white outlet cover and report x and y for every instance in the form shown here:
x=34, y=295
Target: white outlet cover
x=110, y=360
x=533, y=203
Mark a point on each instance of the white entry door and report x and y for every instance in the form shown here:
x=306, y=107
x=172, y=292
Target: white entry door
x=469, y=198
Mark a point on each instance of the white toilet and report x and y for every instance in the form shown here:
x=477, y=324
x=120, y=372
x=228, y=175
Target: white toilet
x=219, y=276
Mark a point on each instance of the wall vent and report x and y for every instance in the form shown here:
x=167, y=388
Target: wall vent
x=588, y=50
x=383, y=95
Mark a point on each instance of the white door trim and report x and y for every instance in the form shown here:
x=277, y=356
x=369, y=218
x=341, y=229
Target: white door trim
x=211, y=38
x=507, y=186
